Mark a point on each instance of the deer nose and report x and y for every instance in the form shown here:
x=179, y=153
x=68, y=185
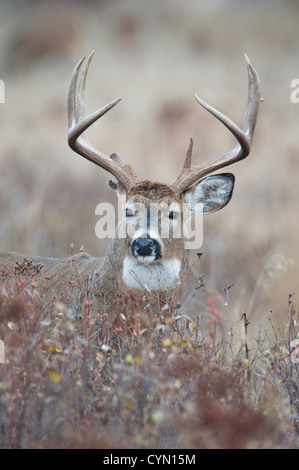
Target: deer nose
x=145, y=247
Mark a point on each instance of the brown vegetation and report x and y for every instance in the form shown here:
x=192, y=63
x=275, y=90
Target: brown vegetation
x=155, y=381
x=181, y=380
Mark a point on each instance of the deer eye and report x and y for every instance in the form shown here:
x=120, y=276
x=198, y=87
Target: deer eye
x=129, y=213
x=173, y=215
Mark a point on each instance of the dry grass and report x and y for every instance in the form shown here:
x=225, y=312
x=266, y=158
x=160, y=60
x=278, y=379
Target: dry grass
x=156, y=381
x=154, y=56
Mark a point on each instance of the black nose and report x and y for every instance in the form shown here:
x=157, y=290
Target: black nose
x=145, y=247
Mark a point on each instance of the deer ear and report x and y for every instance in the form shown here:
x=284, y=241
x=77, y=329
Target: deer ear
x=117, y=186
x=211, y=194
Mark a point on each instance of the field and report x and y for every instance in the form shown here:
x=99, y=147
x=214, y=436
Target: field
x=222, y=373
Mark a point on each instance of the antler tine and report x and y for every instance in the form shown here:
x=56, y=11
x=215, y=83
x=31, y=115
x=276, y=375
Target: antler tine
x=190, y=174
x=72, y=109
x=254, y=100
x=78, y=124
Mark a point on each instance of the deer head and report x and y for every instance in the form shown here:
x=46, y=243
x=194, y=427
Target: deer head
x=147, y=256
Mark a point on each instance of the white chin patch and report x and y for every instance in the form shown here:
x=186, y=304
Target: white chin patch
x=146, y=259
x=144, y=274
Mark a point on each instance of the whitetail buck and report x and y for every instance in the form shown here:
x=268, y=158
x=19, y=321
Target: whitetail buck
x=144, y=261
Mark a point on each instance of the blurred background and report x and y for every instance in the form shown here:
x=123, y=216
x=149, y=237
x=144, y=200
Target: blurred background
x=155, y=55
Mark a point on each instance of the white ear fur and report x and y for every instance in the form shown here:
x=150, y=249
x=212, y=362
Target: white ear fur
x=117, y=186
x=114, y=183
x=211, y=194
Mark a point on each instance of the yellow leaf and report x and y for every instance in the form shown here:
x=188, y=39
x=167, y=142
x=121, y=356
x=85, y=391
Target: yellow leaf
x=129, y=405
x=99, y=357
x=157, y=416
x=4, y=386
x=54, y=376
x=55, y=349
x=129, y=359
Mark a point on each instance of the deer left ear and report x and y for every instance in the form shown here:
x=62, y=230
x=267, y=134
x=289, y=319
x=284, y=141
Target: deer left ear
x=211, y=194
x=117, y=186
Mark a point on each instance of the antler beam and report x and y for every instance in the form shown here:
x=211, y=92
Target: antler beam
x=191, y=174
x=78, y=124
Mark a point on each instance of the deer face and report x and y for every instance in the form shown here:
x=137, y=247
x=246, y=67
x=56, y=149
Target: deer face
x=152, y=216
x=154, y=223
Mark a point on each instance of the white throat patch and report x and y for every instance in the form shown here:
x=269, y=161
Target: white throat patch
x=161, y=275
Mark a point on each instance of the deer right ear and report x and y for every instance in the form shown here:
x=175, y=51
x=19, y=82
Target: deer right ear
x=211, y=194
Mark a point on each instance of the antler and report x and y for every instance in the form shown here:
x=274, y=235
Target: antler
x=78, y=124
x=190, y=174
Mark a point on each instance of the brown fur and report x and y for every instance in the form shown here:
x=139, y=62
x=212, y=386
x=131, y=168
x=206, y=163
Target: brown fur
x=82, y=277
x=153, y=191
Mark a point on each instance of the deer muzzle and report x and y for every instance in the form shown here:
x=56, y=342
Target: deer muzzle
x=146, y=247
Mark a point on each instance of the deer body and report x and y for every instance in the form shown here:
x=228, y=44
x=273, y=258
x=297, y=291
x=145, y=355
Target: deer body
x=142, y=259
